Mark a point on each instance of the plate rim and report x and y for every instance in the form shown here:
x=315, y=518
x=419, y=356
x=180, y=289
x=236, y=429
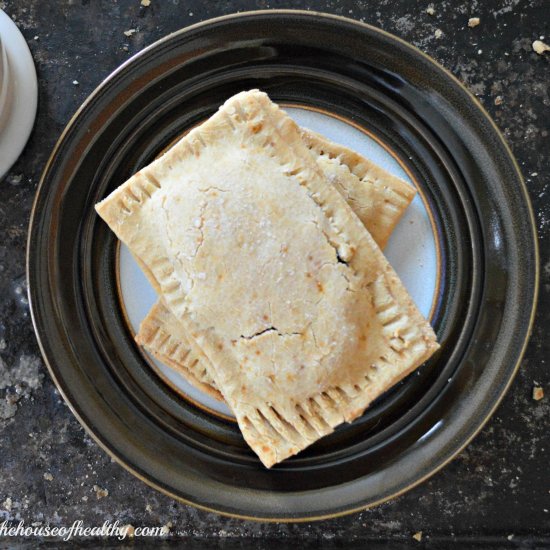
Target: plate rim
x=482, y=111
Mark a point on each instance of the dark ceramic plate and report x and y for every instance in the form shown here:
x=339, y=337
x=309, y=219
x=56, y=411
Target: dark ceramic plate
x=472, y=191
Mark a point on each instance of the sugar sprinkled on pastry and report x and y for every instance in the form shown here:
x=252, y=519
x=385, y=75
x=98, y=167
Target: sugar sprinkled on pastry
x=377, y=197
x=299, y=317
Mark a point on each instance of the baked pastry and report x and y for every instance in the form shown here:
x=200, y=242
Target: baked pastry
x=283, y=293
x=163, y=336
x=376, y=196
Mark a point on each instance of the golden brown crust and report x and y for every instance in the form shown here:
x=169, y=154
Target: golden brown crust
x=363, y=168
x=320, y=326
x=163, y=337
x=378, y=198
x=160, y=318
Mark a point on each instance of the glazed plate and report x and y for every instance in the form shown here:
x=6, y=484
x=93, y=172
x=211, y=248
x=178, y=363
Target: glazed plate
x=466, y=250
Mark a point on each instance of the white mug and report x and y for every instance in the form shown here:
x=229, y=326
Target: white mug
x=18, y=93
x=5, y=86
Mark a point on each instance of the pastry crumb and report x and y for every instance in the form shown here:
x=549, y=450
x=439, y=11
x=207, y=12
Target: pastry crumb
x=146, y=3
x=100, y=493
x=430, y=10
x=7, y=504
x=473, y=22
x=510, y=537
x=498, y=100
x=85, y=498
x=438, y=33
x=128, y=530
x=538, y=393
x=130, y=32
x=48, y=476
x=417, y=536
x=166, y=529
x=540, y=47
x=148, y=508
x=75, y=82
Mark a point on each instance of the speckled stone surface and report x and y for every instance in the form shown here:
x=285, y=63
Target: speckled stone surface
x=496, y=492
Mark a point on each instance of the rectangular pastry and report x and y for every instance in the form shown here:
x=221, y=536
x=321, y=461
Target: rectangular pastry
x=283, y=293
x=377, y=197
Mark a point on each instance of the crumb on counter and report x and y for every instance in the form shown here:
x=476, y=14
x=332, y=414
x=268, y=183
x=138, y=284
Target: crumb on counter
x=538, y=393
x=438, y=33
x=430, y=10
x=498, y=100
x=48, y=476
x=130, y=32
x=417, y=536
x=100, y=493
x=540, y=47
x=146, y=3
x=166, y=529
x=128, y=530
x=473, y=22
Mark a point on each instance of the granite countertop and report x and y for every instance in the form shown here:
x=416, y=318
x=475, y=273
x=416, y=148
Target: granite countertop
x=496, y=492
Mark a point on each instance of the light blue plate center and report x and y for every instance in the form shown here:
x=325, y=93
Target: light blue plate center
x=411, y=249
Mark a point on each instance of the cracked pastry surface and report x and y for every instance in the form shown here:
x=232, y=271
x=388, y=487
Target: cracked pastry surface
x=378, y=198
x=286, y=297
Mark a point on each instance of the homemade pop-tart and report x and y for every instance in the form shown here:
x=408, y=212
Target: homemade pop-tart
x=377, y=197
x=283, y=294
